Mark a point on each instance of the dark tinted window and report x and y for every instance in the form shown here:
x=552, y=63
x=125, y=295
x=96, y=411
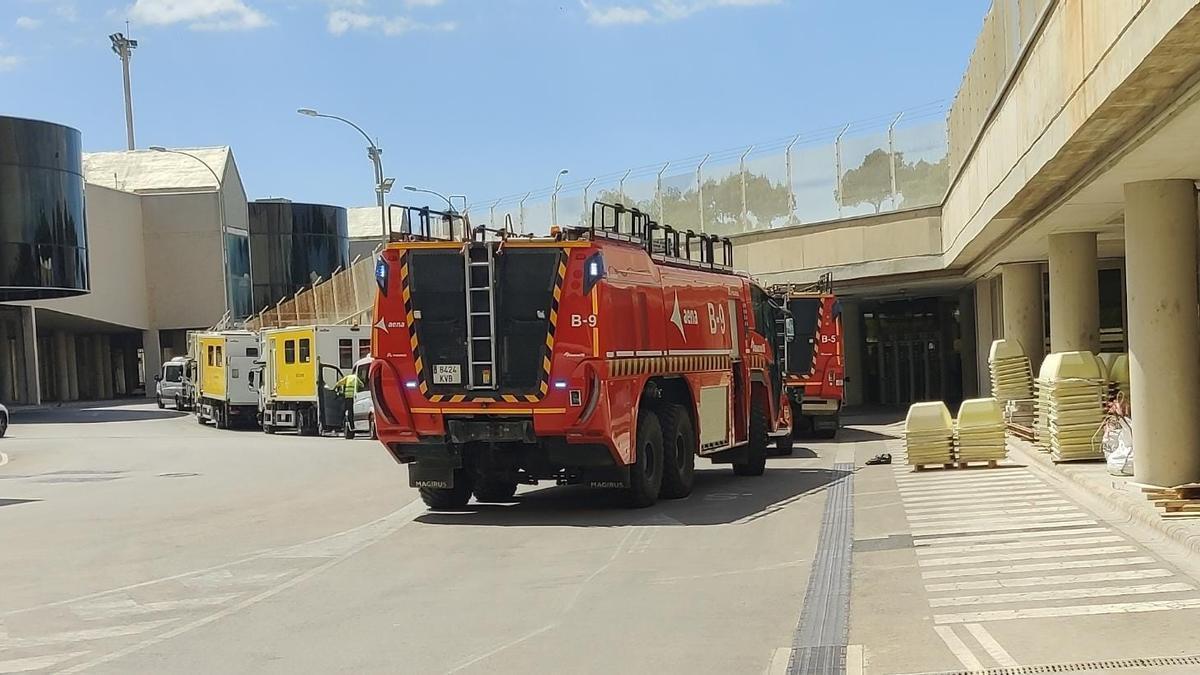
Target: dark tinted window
x=305, y=355
x=289, y=351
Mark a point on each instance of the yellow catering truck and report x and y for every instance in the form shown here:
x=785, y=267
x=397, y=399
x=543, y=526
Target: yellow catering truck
x=300, y=366
x=225, y=391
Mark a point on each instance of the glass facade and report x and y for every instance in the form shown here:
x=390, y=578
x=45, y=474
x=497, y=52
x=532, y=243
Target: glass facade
x=43, y=232
x=237, y=247
x=294, y=244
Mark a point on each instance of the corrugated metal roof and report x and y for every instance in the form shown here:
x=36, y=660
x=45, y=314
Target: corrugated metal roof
x=150, y=170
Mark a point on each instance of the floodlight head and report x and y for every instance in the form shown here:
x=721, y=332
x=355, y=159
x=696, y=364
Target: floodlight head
x=563, y=172
x=388, y=183
x=158, y=148
x=308, y=111
x=411, y=188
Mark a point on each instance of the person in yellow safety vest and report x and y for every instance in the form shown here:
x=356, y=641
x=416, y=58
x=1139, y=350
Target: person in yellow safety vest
x=348, y=386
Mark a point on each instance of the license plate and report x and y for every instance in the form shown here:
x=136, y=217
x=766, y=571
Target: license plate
x=447, y=373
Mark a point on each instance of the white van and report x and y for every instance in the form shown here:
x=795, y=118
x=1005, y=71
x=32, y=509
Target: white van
x=364, y=406
x=169, y=384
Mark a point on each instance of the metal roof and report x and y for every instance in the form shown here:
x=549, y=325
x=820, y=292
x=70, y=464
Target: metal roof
x=152, y=171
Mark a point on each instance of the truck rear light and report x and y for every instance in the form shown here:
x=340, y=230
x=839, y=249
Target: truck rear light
x=411, y=384
x=593, y=271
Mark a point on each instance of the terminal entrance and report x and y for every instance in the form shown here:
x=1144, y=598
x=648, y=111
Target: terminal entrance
x=912, y=351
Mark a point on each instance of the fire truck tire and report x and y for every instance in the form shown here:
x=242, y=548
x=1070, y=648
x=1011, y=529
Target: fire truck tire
x=646, y=473
x=495, y=490
x=448, y=499
x=756, y=450
x=830, y=434
x=679, y=451
x=159, y=401
x=783, y=445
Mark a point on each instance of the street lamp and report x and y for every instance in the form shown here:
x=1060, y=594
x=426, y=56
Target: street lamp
x=221, y=217
x=382, y=186
x=554, y=197
x=413, y=188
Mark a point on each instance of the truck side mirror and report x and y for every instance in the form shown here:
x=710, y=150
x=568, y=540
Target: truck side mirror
x=789, y=329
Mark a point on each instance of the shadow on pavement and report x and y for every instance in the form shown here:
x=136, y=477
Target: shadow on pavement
x=856, y=435
x=74, y=415
x=719, y=497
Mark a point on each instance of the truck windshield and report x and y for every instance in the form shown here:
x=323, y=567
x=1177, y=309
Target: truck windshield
x=172, y=373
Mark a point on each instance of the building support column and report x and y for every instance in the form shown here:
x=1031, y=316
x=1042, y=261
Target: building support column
x=99, y=358
x=1074, y=293
x=152, y=358
x=107, y=364
x=985, y=333
x=29, y=356
x=62, y=385
x=72, y=369
x=1164, y=365
x=852, y=342
x=6, y=370
x=1022, y=298
x=966, y=344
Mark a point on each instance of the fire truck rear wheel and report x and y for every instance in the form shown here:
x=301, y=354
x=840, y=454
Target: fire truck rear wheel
x=449, y=499
x=783, y=445
x=830, y=434
x=679, y=451
x=495, y=490
x=756, y=450
x=646, y=473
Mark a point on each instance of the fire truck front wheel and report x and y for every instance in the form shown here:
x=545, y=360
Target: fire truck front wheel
x=646, y=473
x=679, y=451
x=755, y=462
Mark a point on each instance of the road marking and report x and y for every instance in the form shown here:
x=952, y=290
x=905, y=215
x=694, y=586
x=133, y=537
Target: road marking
x=779, y=661
x=226, y=578
x=930, y=480
x=958, y=648
x=982, y=527
x=726, y=573
x=1026, y=555
x=1010, y=536
x=969, y=487
x=3, y=461
x=1039, y=493
x=854, y=659
x=992, y=513
x=1009, y=545
x=394, y=520
x=1054, y=580
x=1062, y=594
x=1073, y=610
x=990, y=645
x=1030, y=518
x=1036, y=567
x=36, y=662
x=971, y=490
x=84, y=635
x=1008, y=505
x=100, y=611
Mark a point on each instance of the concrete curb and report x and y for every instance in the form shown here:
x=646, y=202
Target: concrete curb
x=1114, y=499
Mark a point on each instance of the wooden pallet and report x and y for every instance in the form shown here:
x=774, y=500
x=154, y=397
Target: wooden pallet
x=1182, y=501
x=931, y=467
x=989, y=463
x=1024, y=433
x=980, y=464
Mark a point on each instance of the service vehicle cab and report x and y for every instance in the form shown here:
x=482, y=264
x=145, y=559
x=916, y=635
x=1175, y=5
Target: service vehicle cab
x=816, y=363
x=225, y=393
x=169, y=383
x=299, y=368
x=611, y=356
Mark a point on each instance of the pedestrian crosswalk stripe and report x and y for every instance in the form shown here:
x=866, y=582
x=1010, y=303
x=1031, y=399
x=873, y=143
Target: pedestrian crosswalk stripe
x=1035, y=567
x=1008, y=536
x=978, y=499
x=979, y=527
x=1070, y=610
x=958, y=648
x=1009, y=545
x=971, y=479
x=1025, y=555
x=990, y=512
x=917, y=510
x=1053, y=580
x=990, y=645
x=969, y=487
x=1000, y=520
x=1061, y=594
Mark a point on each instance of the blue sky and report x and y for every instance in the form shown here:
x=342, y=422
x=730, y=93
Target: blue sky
x=482, y=97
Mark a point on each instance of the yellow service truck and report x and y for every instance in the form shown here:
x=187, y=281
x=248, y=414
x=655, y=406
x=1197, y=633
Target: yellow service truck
x=225, y=390
x=300, y=366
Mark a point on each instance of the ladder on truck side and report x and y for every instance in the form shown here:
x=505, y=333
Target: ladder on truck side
x=479, y=263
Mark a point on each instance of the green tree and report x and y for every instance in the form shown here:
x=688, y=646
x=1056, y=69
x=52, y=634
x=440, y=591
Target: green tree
x=869, y=183
x=923, y=183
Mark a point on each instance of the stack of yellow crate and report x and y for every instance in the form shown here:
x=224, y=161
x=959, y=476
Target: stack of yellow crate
x=929, y=434
x=979, y=431
x=1071, y=405
x=1009, y=368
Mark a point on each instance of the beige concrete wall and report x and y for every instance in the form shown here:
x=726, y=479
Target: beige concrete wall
x=116, y=262
x=851, y=248
x=183, y=259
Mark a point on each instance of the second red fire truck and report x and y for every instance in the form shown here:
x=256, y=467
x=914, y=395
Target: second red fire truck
x=815, y=358
x=611, y=356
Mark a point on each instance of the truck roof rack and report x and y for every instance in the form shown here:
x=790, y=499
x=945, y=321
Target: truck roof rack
x=673, y=247
x=421, y=223
x=822, y=286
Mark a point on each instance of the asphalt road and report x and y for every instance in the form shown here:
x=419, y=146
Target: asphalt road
x=135, y=540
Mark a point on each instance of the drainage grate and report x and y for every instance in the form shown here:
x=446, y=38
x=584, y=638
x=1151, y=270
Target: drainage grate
x=1083, y=666
x=819, y=646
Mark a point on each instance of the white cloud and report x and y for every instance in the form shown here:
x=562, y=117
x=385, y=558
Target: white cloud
x=342, y=21
x=9, y=63
x=28, y=22
x=644, y=11
x=199, y=14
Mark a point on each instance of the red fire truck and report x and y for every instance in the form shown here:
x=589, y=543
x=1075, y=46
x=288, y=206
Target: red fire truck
x=606, y=355
x=815, y=363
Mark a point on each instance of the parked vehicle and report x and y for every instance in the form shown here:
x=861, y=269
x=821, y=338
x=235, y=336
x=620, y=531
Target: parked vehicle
x=3, y=420
x=363, y=410
x=816, y=362
x=300, y=366
x=169, y=384
x=225, y=391
x=611, y=356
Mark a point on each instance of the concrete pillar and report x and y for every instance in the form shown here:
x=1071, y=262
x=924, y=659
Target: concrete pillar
x=1022, y=298
x=132, y=378
x=72, y=369
x=6, y=371
x=107, y=363
x=966, y=344
x=99, y=359
x=152, y=354
x=29, y=356
x=985, y=333
x=853, y=344
x=83, y=347
x=1164, y=365
x=62, y=385
x=1074, y=293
